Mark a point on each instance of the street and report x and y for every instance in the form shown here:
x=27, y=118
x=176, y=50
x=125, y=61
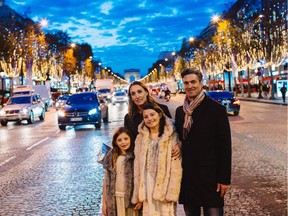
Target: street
x=45, y=171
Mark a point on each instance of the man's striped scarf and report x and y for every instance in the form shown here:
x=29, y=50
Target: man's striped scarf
x=188, y=109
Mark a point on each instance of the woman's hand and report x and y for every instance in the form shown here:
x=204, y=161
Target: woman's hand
x=138, y=206
x=176, y=151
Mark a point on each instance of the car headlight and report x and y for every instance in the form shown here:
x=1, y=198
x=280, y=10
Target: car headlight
x=61, y=113
x=92, y=112
x=25, y=111
x=2, y=112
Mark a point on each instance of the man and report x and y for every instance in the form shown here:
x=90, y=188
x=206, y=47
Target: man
x=204, y=130
x=283, y=90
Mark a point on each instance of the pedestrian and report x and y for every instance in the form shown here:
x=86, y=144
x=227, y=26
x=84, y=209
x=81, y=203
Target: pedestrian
x=167, y=94
x=265, y=91
x=157, y=176
x=203, y=128
x=138, y=95
x=283, y=90
x=118, y=179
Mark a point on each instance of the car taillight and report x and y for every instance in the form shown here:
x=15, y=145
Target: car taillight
x=236, y=102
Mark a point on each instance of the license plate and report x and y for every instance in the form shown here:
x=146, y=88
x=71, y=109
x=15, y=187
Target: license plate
x=75, y=119
x=13, y=118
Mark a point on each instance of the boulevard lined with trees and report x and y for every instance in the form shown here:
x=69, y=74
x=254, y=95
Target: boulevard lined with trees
x=241, y=42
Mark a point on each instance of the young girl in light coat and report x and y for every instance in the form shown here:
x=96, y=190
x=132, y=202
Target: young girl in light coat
x=157, y=176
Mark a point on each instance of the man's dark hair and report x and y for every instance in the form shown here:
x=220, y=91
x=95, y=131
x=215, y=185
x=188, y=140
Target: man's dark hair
x=187, y=71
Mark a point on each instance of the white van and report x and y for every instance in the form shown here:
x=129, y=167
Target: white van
x=42, y=90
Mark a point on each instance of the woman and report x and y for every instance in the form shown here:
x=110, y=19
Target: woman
x=139, y=95
x=157, y=176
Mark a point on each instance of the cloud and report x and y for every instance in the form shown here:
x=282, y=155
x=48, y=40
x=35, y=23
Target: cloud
x=106, y=7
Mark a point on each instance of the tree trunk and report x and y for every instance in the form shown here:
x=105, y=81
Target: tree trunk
x=248, y=80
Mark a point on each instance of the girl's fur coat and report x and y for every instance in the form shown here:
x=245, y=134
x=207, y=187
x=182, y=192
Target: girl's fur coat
x=169, y=170
x=111, y=180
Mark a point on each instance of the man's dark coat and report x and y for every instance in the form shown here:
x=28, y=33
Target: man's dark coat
x=206, y=154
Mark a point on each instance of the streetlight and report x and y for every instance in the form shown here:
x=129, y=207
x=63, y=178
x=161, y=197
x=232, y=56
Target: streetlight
x=215, y=18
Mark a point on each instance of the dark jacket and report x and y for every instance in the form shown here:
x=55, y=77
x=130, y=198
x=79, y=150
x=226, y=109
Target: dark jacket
x=206, y=154
x=132, y=123
x=111, y=180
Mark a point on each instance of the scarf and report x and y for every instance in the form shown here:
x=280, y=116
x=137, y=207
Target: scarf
x=188, y=108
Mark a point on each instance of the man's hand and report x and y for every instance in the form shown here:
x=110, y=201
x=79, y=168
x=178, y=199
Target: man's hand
x=222, y=189
x=176, y=151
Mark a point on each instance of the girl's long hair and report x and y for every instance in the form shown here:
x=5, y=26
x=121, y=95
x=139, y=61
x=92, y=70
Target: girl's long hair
x=116, y=150
x=132, y=107
x=162, y=121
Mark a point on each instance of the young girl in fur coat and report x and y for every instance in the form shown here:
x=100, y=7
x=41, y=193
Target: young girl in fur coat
x=157, y=176
x=118, y=179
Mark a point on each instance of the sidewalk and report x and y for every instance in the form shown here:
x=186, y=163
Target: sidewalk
x=254, y=98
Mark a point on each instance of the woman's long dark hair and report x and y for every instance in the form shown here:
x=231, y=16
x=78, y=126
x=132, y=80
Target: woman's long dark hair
x=116, y=149
x=132, y=107
x=162, y=121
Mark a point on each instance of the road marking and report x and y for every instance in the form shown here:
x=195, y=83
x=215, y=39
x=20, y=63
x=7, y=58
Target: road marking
x=6, y=161
x=36, y=144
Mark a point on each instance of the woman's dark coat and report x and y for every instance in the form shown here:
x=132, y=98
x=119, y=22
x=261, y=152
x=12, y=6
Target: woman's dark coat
x=132, y=123
x=206, y=154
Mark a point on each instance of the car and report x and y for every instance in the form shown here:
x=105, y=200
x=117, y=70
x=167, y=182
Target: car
x=154, y=91
x=22, y=107
x=83, y=108
x=227, y=99
x=105, y=92
x=119, y=97
x=60, y=101
x=41, y=90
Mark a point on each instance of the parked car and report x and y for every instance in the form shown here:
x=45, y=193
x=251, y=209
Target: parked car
x=119, y=97
x=83, y=108
x=22, y=107
x=227, y=99
x=60, y=101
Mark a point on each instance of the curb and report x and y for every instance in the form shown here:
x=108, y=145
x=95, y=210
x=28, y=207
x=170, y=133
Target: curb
x=263, y=101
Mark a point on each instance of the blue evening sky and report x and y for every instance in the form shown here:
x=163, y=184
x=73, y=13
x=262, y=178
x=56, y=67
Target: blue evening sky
x=125, y=34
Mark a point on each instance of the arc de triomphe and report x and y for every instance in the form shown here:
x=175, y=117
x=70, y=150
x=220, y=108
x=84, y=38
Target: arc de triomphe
x=131, y=74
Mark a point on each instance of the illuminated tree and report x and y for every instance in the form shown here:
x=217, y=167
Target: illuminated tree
x=69, y=64
x=273, y=32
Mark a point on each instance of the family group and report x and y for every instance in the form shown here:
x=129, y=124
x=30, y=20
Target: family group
x=157, y=162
